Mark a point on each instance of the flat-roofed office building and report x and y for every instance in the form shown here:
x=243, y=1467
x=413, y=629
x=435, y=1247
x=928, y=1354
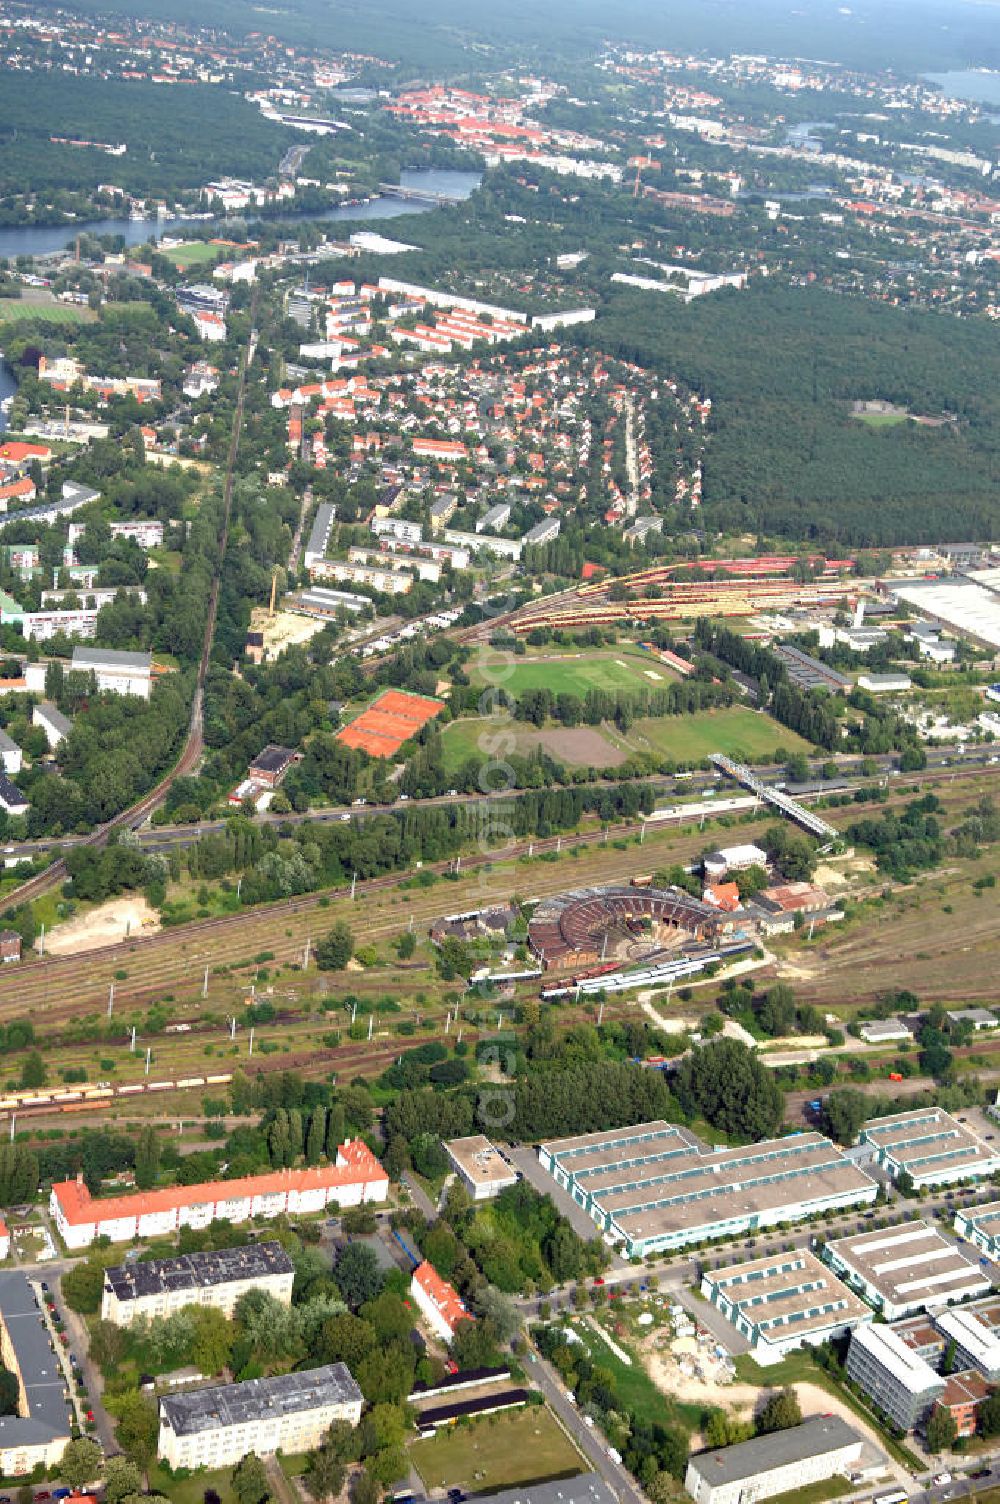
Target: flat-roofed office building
x=896, y=1378
x=775, y=1464
x=930, y=1146
x=980, y=1226
x=784, y=1301
x=902, y=1270
x=217, y=1278
x=977, y=1342
x=481, y=1166
x=656, y=1186
x=217, y=1427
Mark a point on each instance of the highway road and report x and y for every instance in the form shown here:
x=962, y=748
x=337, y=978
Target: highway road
x=164, y=837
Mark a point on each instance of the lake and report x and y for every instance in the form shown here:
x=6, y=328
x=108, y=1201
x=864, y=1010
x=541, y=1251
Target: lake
x=976, y=84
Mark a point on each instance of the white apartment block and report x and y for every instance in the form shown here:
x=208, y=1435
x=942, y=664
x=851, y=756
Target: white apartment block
x=217, y=1427
x=159, y=1287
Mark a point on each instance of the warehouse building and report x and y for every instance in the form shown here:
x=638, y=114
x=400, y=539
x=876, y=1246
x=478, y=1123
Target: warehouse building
x=656, y=1186
x=977, y=1343
x=784, y=1301
x=116, y=672
x=930, y=1146
x=904, y=1269
x=895, y=1378
x=775, y=1464
x=482, y=1168
x=217, y=1427
x=980, y=1226
x=217, y=1278
x=36, y=1435
x=356, y=1177
x=885, y=1031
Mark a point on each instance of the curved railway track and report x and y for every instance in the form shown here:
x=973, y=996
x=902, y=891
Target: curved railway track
x=193, y=747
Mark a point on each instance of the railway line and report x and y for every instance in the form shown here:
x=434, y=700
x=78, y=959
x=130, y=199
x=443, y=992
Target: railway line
x=193, y=747
x=63, y=988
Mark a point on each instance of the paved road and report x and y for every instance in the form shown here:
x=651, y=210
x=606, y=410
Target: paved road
x=590, y=1441
x=419, y=1196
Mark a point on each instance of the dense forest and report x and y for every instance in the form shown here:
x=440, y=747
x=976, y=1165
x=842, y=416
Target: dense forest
x=173, y=143
x=783, y=365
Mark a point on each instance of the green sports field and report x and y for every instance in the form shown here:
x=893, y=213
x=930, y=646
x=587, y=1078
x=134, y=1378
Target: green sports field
x=736, y=731
x=17, y=311
x=193, y=253
x=575, y=672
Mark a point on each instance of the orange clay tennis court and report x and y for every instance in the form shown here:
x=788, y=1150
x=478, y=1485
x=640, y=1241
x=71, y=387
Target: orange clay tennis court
x=394, y=717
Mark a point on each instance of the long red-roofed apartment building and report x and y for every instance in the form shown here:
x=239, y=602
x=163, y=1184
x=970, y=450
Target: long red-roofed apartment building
x=439, y=1303
x=356, y=1177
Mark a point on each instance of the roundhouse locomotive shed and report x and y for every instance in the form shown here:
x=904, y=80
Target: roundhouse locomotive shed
x=591, y=924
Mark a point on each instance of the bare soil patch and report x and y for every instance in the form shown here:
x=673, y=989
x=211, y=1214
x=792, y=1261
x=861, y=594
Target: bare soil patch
x=119, y=919
x=582, y=745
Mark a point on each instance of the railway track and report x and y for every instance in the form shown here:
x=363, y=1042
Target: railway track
x=190, y=755
x=62, y=988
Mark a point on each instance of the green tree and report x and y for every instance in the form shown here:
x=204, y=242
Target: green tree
x=249, y=1480
x=844, y=1112
x=10, y=1392
x=121, y=1478
x=357, y=1274
x=988, y=1415
x=316, y=1136
x=147, y=1158
x=107, y=1344
x=82, y=1462
x=212, y=1341
x=137, y=1428
x=82, y=1287
x=335, y=949
x=33, y=1073
x=731, y=1089
x=941, y=1430
x=324, y=1477
x=780, y=1412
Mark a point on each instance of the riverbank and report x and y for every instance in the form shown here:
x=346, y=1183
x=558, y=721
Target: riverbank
x=44, y=240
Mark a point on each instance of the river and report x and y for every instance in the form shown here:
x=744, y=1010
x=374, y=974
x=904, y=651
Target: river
x=38, y=240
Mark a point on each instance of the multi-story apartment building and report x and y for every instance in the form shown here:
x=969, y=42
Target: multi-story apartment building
x=217, y=1427
x=217, y=1278
x=356, y=1177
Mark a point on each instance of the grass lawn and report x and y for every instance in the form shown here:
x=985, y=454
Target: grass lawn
x=688, y=738
x=575, y=672
x=192, y=1490
x=816, y=1493
x=460, y=740
x=194, y=253
x=882, y=420
x=499, y=1451
x=15, y=311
